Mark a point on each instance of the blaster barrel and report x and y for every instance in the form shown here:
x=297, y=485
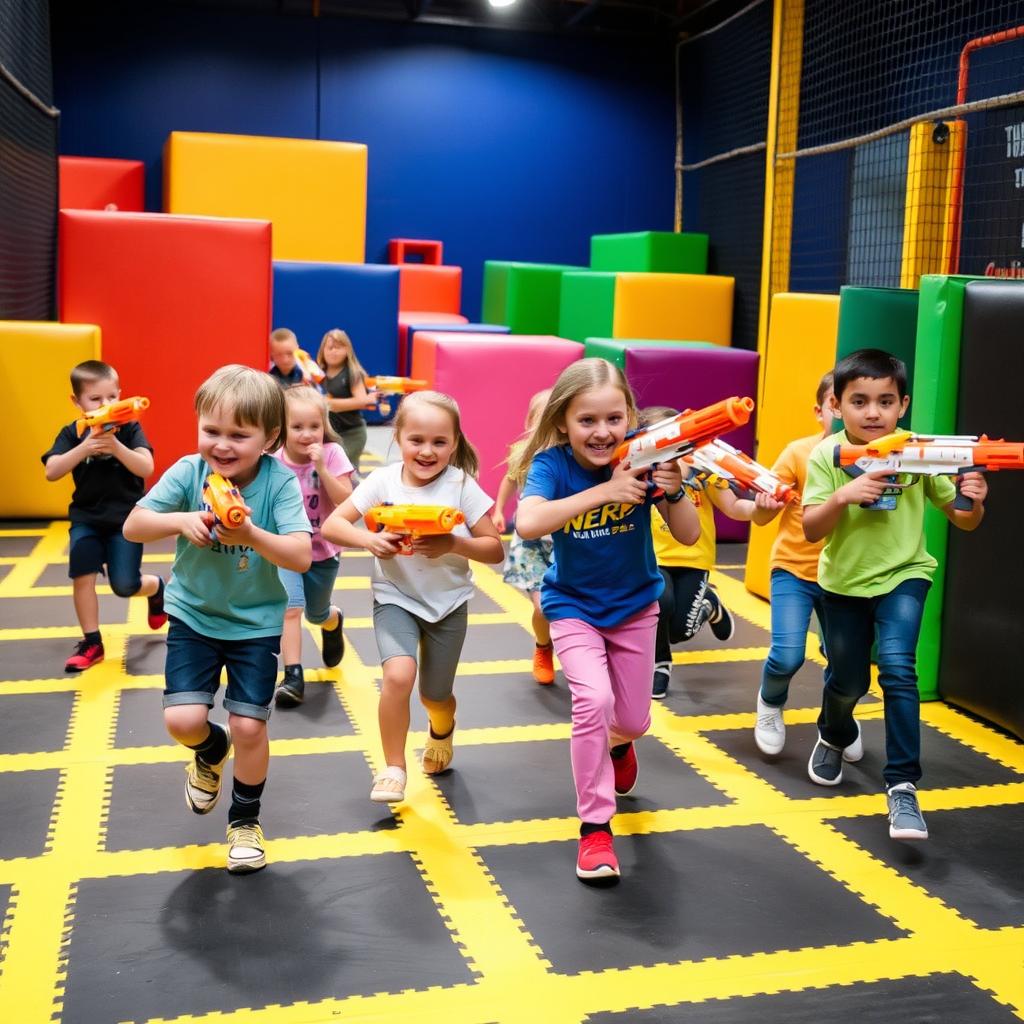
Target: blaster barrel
x=225, y=500
x=109, y=417
x=412, y=521
x=720, y=459
x=396, y=385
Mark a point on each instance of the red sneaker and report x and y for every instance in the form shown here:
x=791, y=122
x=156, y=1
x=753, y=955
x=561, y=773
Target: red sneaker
x=156, y=616
x=543, y=665
x=86, y=655
x=596, y=857
x=626, y=771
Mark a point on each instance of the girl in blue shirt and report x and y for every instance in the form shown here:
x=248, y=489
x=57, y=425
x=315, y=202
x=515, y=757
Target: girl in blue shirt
x=601, y=593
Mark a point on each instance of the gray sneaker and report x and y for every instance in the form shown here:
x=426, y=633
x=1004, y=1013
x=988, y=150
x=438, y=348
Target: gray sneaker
x=825, y=766
x=905, y=818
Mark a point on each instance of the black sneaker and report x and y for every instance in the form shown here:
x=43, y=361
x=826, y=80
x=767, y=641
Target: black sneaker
x=720, y=620
x=662, y=675
x=332, y=643
x=292, y=690
x=825, y=765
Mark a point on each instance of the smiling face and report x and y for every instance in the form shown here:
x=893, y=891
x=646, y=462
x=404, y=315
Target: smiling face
x=870, y=408
x=97, y=393
x=426, y=441
x=595, y=425
x=305, y=427
x=230, y=448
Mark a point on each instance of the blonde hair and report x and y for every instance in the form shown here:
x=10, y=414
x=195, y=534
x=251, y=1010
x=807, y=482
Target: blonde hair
x=254, y=398
x=577, y=378
x=464, y=455
x=533, y=413
x=355, y=369
x=283, y=334
x=303, y=394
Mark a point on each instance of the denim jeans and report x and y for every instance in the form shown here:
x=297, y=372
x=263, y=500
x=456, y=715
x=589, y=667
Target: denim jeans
x=793, y=600
x=91, y=548
x=851, y=625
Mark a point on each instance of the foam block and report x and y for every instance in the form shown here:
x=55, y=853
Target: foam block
x=614, y=349
x=469, y=368
x=587, y=305
x=409, y=317
x=176, y=297
x=689, y=378
x=801, y=348
x=524, y=296
x=360, y=298
x=693, y=307
x=95, y=183
x=667, y=252
x=313, y=191
x=415, y=250
x=410, y=329
x=430, y=287
x=36, y=358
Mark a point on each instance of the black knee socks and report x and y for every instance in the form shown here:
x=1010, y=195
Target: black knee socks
x=214, y=747
x=245, y=801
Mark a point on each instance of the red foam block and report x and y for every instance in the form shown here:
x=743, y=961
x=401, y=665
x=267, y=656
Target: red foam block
x=176, y=297
x=426, y=287
x=97, y=183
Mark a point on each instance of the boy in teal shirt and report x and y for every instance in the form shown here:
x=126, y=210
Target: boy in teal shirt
x=875, y=573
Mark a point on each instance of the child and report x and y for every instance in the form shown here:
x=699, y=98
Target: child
x=687, y=601
x=225, y=597
x=874, y=574
x=346, y=392
x=324, y=474
x=528, y=560
x=601, y=594
x=283, y=346
x=108, y=470
x=419, y=601
x=794, y=584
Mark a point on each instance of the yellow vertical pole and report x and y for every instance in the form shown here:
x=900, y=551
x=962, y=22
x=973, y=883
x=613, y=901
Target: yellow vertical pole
x=783, y=122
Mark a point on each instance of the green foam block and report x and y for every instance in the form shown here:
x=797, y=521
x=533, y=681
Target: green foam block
x=524, y=296
x=587, y=306
x=614, y=349
x=664, y=252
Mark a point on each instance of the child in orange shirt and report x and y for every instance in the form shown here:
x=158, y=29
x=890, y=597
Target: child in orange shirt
x=794, y=582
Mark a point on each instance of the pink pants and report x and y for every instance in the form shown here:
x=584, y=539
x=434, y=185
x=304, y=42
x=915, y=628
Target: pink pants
x=609, y=673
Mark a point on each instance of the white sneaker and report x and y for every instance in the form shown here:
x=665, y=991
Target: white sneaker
x=855, y=751
x=770, y=731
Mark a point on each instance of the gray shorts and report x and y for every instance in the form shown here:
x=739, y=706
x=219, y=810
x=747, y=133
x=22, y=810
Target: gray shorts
x=435, y=646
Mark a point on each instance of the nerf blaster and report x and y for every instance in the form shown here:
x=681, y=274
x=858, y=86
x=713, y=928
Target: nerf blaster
x=930, y=455
x=393, y=386
x=110, y=417
x=719, y=461
x=682, y=435
x=412, y=521
x=312, y=372
x=225, y=500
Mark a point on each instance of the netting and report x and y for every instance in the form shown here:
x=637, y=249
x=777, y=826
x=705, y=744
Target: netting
x=28, y=163
x=884, y=170
x=723, y=77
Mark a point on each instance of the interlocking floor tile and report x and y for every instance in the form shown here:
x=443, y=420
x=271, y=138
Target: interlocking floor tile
x=26, y=803
x=34, y=721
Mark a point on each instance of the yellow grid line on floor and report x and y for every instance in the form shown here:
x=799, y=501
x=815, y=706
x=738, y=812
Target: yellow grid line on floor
x=514, y=982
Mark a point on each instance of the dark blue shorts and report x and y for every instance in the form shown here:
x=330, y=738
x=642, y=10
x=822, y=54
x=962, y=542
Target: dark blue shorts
x=194, y=663
x=90, y=548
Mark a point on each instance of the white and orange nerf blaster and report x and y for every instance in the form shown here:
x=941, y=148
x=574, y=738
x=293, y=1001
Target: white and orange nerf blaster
x=682, y=435
x=930, y=455
x=312, y=372
x=111, y=416
x=225, y=501
x=385, y=386
x=725, y=466
x=412, y=521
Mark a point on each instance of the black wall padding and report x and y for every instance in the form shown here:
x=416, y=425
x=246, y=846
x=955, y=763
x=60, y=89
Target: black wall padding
x=981, y=666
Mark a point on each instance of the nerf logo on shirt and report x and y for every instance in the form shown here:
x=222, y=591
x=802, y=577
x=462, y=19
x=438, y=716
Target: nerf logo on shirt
x=601, y=522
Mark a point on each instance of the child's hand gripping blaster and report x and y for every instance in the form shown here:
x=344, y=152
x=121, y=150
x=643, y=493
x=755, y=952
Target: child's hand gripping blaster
x=412, y=521
x=724, y=465
x=312, y=373
x=682, y=435
x=225, y=501
x=930, y=455
x=112, y=416
x=385, y=386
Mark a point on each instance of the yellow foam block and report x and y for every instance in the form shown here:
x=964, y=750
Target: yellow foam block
x=313, y=192
x=36, y=359
x=801, y=347
x=691, y=307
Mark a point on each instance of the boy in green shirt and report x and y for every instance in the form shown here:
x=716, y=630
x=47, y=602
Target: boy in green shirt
x=875, y=573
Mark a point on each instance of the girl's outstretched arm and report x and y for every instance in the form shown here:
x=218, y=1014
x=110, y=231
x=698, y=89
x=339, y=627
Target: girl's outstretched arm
x=483, y=546
x=340, y=528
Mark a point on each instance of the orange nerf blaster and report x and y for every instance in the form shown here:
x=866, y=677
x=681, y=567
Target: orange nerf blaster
x=312, y=372
x=412, y=521
x=110, y=417
x=393, y=386
x=224, y=500
x=930, y=455
x=727, y=466
x=682, y=435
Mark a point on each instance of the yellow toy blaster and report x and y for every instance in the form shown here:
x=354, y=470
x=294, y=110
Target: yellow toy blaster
x=224, y=500
x=930, y=455
x=726, y=466
x=393, y=386
x=312, y=372
x=412, y=521
x=112, y=416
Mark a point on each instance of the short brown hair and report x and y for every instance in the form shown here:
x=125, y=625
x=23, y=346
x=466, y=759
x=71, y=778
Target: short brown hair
x=90, y=370
x=254, y=397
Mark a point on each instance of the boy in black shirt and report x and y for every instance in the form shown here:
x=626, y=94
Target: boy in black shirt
x=109, y=470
